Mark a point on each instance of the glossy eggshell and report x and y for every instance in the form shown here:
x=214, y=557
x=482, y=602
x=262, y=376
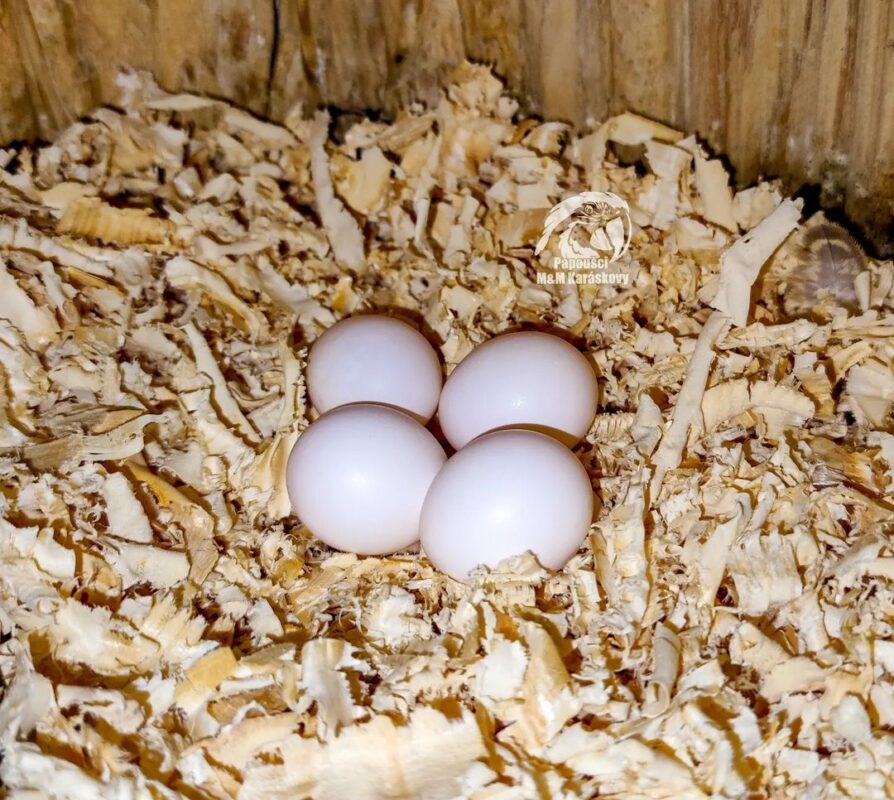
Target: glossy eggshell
x=521, y=380
x=374, y=359
x=505, y=493
x=357, y=478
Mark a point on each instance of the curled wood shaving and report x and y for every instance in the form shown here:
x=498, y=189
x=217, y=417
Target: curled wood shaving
x=666, y=652
x=185, y=274
x=712, y=182
x=124, y=513
x=121, y=442
x=778, y=407
x=345, y=236
x=548, y=697
x=91, y=218
x=18, y=235
x=37, y=324
x=197, y=524
x=686, y=411
x=223, y=398
x=621, y=558
x=871, y=387
x=740, y=265
x=427, y=757
x=141, y=563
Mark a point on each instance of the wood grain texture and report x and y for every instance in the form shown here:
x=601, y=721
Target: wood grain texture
x=802, y=89
x=69, y=53
x=17, y=97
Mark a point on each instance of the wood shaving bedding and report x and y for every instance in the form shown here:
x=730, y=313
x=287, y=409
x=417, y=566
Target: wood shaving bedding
x=169, y=629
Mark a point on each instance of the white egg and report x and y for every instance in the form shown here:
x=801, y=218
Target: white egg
x=374, y=360
x=357, y=477
x=520, y=380
x=505, y=493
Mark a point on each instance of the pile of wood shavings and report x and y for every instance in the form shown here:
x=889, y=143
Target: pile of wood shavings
x=169, y=629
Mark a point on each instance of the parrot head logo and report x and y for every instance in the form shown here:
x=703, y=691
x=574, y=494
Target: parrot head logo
x=598, y=226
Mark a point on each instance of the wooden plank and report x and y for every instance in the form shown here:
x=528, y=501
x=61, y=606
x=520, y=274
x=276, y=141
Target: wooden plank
x=216, y=47
x=869, y=147
x=648, y=58
x=49, y=64
x=292, y=79
x=18, y=114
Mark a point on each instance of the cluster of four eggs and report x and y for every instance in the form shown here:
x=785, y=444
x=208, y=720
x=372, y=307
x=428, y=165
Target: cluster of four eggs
x=369, y=478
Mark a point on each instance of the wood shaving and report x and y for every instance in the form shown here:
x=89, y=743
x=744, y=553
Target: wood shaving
x=89, y=218
x=169, y=629
x=741, y=263
x=345, y=236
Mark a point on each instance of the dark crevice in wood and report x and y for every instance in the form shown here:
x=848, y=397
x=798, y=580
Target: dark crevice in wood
x=274, y=54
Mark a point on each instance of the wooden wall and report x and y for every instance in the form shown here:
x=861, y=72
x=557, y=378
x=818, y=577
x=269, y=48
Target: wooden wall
x=803, y=89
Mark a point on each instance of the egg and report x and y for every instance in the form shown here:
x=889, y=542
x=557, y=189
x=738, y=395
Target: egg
x=521, y=380
x=505, y=493
x=358, y=475
x=374, y=359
